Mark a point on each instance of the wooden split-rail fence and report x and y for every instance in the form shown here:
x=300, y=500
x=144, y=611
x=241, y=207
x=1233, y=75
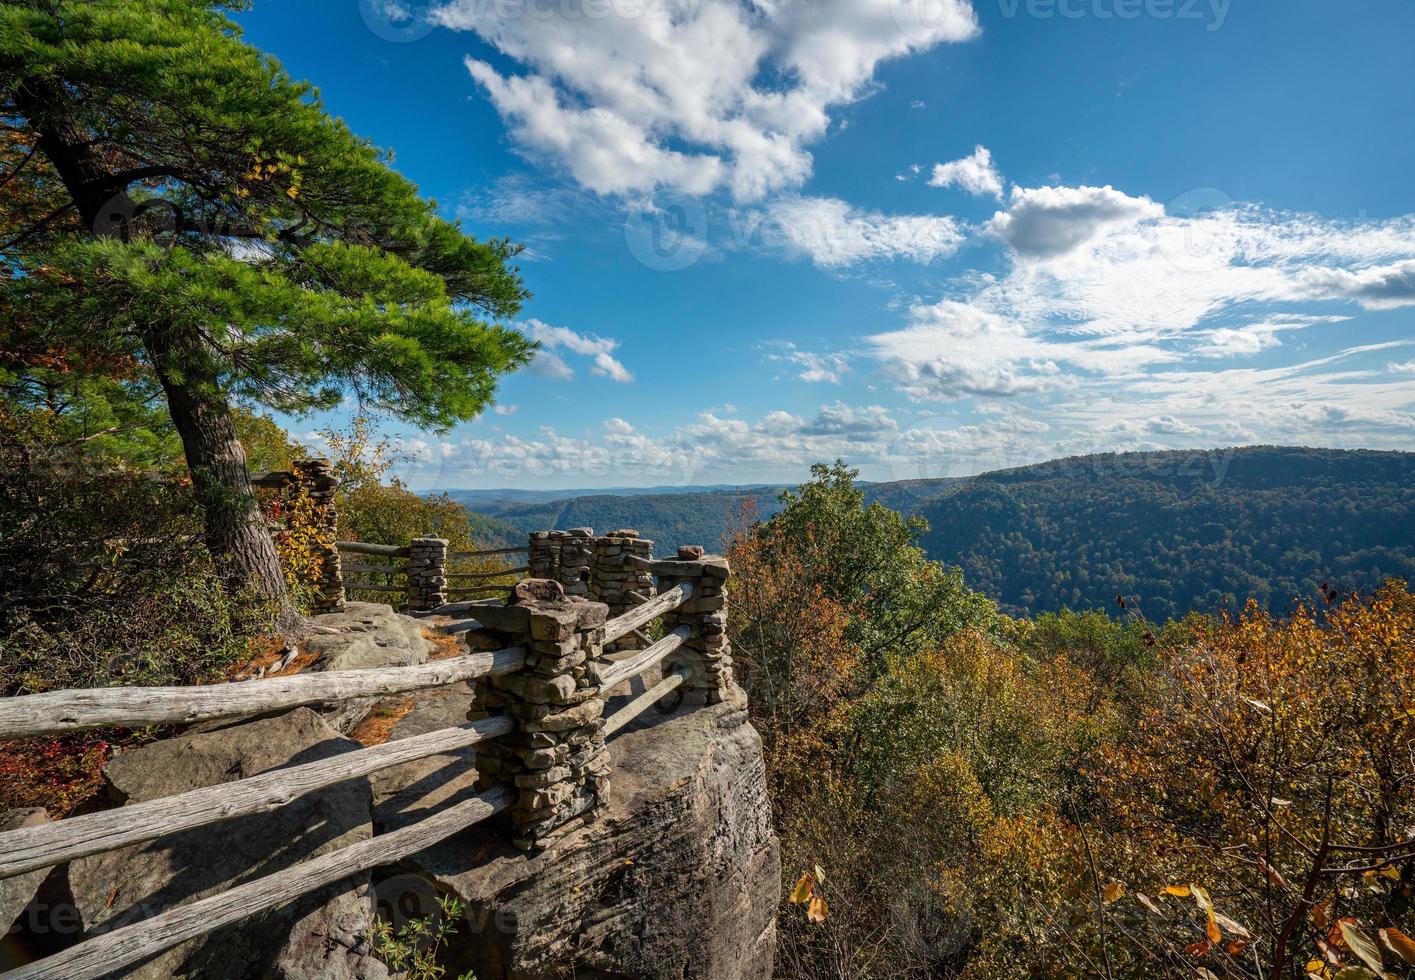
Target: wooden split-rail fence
x=545, y=686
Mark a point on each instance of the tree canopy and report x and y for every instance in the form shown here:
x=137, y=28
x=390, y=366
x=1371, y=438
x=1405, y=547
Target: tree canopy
x=178, y=209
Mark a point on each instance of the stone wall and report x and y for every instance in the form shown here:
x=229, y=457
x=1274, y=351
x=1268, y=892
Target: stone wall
x=615, y=584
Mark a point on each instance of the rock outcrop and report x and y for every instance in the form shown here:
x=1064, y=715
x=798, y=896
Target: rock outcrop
x=321, y=936
x=364, y=636
x=16, y=892
x=408, y=793
x=679, y=878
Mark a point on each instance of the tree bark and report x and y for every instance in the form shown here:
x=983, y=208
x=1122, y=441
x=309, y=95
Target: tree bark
x=236, y=534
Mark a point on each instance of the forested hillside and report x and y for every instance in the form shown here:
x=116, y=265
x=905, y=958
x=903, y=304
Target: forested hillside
x=1174, y=531
x=1180, y=531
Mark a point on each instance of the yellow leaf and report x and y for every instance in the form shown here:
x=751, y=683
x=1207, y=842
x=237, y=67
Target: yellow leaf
x=1363, y=946
x=1178, y=891
x=1390, y=871
x=292, y=192
x=816, y=911
x=1112, y=892
x=802, y=892
x=820, y=875
x=1233, y=927
x=1399, y=943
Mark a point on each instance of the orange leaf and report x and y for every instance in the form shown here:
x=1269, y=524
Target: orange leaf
x=1112, y=892
x=802, y=892
x=1399, y=943
x=816, y=911
x=1178, y=891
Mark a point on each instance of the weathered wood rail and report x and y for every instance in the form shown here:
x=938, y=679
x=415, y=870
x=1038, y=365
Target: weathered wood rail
x=559, y=645
x=425, y=573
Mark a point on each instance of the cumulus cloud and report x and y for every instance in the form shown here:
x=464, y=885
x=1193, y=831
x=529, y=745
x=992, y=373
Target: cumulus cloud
x=810, y=366
x=506, y=410
x=1049, y=221
x=549, y=363
x=975, y=174
x=1379, y=288
x=691, y=94
x=834, y=235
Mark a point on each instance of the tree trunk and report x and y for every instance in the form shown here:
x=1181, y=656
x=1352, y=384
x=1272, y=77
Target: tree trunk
x=236, y=534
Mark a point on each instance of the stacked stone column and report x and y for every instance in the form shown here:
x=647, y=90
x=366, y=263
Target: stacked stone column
x=316, y=479
x=555, y=760
x=707, y=653
x=543, y=555
x=612, y=581
x=427, y=574
x=566, y=555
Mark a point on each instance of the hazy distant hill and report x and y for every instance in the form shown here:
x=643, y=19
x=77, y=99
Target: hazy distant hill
x=1175, y=530
x=668, y=519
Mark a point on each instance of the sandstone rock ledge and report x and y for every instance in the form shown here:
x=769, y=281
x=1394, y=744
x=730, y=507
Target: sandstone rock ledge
x=680, y=878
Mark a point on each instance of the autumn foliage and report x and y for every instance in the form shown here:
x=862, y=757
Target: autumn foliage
x=1075, y=795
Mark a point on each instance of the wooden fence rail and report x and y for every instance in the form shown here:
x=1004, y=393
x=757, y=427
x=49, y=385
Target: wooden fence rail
x=640, y=704
x=130, y=944
x=136, y=707
x=44, y=846
x=647, y=612
x=33, y=848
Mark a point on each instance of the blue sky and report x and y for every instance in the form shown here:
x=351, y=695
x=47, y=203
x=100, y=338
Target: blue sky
x=931, y=237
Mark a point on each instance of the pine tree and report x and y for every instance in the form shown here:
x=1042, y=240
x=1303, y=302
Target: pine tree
x=175, y=199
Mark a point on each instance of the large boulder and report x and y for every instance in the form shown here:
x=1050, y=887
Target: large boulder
x=16, y=892
x=679, y=878
x=322, y=935
x=365, y=636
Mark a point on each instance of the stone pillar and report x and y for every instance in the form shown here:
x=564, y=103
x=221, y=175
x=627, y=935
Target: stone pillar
x=316, y=479
x=555, y=760
x=707, y=654
x=427, y=574
x=576, y=553
x=543, y=555
x=611, y=581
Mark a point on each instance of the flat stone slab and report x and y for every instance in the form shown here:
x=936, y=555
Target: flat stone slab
x=406, y=794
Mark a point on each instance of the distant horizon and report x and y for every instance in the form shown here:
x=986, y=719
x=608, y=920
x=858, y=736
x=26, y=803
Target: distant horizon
x=569, y=491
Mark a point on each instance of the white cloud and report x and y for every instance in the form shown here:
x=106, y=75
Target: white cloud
x=1378, y=288
x=834, y=234
x=1049, y=221
x=975, y=174
x=691, y=94
x=549, y=363
x=1113, y=314
x=815, y=368
x=507, y=410
x=1250, y=338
